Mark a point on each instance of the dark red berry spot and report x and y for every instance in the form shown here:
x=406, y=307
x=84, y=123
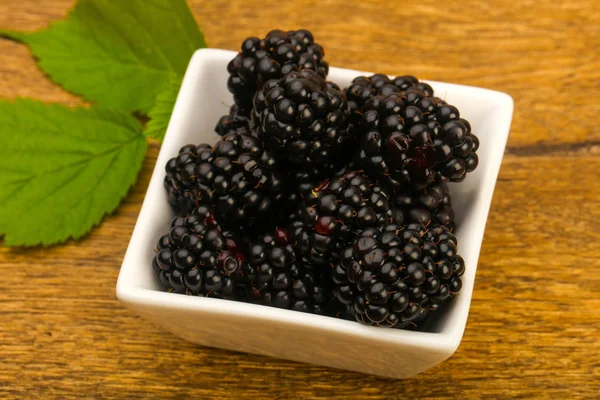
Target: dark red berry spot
x=325, y=226
x=423, y=157
x=240, y=257
x=231, y=244
x=282, y=236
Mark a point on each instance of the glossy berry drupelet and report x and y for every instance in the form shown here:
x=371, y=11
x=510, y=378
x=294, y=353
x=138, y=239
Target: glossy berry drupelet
x=303, y=117
x=197, y=258
x=279, y=277
x=234, y=122
x=430, y=207
x=236, y=176
x=272, y=57
x=333, y=212
x=395, y=275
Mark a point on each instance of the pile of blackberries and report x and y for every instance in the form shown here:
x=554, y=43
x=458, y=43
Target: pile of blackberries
x=318, y=199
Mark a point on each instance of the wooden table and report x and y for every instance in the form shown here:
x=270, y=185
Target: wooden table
x=534, y=328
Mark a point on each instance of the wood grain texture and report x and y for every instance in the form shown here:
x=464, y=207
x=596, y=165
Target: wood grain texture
x=534, y=327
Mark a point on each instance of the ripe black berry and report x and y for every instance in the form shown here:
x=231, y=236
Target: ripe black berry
x=395, y=275
x=272, y=57
x=303, y=117
x=236, y=176
x=197, y=258
x=408, y=138
x=279, y=277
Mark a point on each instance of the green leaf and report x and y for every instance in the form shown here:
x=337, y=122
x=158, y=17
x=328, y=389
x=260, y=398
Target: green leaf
x=119, y=54
x=160, y=114
x=62, y=169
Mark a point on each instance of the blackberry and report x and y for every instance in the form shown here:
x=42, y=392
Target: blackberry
x=279, y=278
x=234, y=122
x=363, y=88
x=197, y=258
x=430, y=207
x=303, y=117
x=409, y=139
x=395, y=275
x=236, y=176
x=272, y=57
x=334, y=211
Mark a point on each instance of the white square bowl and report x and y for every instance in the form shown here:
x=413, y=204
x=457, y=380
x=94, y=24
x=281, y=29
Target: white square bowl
x=337, y=343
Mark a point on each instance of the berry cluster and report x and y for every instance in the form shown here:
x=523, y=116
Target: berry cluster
x=394, y=275
x=236, y=176
x=303, y=116
x=316, y=199
x=198, y=257
x=279, y=277
x=409, y=138
x=272, y=57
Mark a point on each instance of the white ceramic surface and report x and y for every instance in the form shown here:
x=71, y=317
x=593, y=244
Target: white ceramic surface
x=203, y=98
